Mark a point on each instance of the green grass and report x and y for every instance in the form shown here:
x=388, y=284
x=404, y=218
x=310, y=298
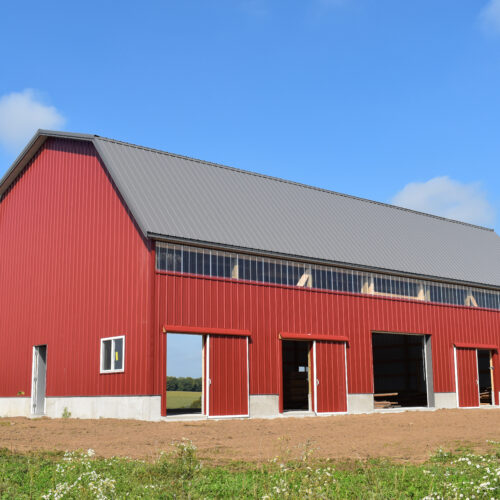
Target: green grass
x=183, y=399
x=181, y=475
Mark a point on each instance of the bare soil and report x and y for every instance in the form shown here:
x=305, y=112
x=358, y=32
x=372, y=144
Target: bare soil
x=408, y=436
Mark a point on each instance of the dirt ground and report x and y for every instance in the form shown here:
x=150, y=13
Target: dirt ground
x=407, y=436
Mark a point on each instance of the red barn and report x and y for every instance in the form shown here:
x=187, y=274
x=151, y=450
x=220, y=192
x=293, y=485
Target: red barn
x=306, y=300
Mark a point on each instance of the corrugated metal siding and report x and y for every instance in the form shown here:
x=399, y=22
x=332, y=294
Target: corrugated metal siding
x=467, y=375
x=185, y=198
x=331, y=375
x=265, y=310
x=228, y=375
x=73, y=269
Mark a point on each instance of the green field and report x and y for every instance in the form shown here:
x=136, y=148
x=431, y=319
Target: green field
x=180, y=474
x=183, y=399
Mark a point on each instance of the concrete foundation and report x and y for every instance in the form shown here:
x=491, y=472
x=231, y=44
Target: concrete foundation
x=134, y=407
x=264, y=406
x=149, y=407
x=445, y=400
x=15, y=407
x=359, y=403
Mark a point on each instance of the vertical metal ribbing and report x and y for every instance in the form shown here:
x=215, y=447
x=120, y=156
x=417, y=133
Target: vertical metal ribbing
x=266, y=310
x=78, y=264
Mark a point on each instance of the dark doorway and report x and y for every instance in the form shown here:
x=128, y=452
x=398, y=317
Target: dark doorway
x=485, y=373
x=399, y=370
x=295, y=375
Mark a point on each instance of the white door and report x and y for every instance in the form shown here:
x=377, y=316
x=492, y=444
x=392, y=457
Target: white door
x=39, y=380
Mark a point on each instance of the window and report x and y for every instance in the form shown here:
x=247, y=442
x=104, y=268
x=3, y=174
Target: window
x=207, y=262
x=112, y=354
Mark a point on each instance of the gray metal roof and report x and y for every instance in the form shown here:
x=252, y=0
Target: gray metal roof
x=183, y=198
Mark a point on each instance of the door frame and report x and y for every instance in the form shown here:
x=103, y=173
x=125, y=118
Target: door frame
x=492, y=392
x=35, y=385
x=203, y=377
x=427, y=365
x=494, y=401
x=311, y=398
x=455, y=364
x=208, y=382
x=316, y=382
x=310, y=337
x=197, y=330
x=477, y=348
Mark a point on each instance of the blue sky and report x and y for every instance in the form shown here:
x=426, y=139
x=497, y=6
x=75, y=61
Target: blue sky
x=397, y=101
x=358, y=96
x=184, y=355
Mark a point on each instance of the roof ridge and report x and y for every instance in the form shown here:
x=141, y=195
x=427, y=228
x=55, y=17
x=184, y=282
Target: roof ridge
x=294, y=183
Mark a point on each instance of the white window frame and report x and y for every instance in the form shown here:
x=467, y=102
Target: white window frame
x=112, y=370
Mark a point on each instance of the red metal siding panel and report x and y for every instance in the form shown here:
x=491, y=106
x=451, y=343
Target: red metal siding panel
x=266, y=310
x=205, y=330
x=465, y=345
x=228, y=387
x=74, y=268
x=467, y=375
x=331, y=377
x=311, y=336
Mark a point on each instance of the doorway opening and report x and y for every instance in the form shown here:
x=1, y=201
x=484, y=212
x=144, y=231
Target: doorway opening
x=485, y=370
x=296, y=370
x=39, y=377
x=185, y=374
x=402, y=377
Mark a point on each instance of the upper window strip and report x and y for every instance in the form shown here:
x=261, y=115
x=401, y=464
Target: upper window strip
x=215, y=263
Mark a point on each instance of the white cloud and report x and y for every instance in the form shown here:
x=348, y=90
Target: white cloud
x=21, y=114
x=448, y=198
x=490, y=17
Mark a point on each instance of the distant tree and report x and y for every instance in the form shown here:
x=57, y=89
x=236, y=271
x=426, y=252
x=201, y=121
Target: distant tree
x=181, y=384
x=186, y=383
x=189, y=384
x=172, y=384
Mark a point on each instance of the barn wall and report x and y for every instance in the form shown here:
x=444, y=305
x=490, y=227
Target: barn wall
x=73, y=269
x=265, y=310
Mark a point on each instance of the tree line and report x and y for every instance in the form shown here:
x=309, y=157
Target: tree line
x=184, y=384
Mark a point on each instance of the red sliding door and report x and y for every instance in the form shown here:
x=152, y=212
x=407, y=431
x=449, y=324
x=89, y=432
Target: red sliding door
x=227, y=375
x=467, y=377
x=330, y=375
